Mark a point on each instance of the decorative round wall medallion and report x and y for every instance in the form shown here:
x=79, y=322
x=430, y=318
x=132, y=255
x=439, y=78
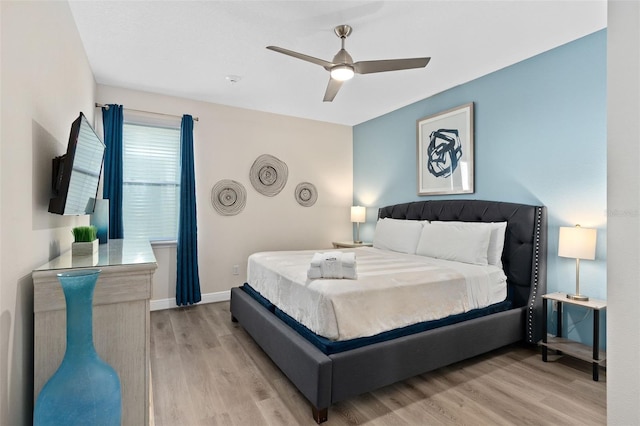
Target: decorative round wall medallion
x=268, y=175
x=306, y=194
x=228, y=197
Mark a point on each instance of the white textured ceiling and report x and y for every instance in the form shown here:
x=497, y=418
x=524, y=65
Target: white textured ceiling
x=187, y=48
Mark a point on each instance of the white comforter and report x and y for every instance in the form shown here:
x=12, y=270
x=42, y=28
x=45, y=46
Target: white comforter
x=392, y=290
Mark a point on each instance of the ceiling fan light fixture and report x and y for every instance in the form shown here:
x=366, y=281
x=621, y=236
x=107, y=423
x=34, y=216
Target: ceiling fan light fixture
x=343, y=68
x=342, y=72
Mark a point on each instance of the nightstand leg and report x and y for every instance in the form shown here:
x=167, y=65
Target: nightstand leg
x=544, y=329
x=559, y=320
x=596, y=342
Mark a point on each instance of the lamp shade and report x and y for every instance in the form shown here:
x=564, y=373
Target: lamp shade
x=577, y=242
x=358, y=214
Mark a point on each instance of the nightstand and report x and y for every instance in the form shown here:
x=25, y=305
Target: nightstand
x=350, y=244
x=578, y=350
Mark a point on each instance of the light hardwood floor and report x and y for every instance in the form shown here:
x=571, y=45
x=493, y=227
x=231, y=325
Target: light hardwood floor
x=207, y=370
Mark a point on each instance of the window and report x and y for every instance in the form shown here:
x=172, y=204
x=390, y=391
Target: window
x=151, y=181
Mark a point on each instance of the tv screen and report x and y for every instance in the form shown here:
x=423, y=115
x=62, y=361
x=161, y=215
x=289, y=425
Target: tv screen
x=76, y=174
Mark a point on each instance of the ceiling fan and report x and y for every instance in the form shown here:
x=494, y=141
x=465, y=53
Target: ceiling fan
x=343, y=68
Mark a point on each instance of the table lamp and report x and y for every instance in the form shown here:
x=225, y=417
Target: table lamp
x=578, y=243
x=358, y=216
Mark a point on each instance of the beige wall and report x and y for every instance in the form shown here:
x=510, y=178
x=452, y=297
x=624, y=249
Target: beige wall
x=623, y=204
x=227, y=141
x=46, y=82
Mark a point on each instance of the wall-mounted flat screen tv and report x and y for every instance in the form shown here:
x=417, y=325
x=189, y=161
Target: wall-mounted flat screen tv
x=76, y=174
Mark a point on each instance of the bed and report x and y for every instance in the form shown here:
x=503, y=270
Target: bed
x=325, y=377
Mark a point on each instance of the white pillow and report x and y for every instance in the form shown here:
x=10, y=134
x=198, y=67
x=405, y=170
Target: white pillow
x=397, y=235
x=496, y=241
x=453, y=241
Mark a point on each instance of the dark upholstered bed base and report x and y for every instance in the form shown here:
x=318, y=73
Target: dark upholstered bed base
x=327, y=379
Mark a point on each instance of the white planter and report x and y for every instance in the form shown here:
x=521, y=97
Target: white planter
x=84, y=249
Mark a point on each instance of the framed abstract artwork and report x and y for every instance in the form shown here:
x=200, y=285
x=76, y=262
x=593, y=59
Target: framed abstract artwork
x=445, y=152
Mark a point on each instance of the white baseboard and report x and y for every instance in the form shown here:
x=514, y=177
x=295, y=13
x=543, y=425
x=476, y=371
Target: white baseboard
x=160, y=304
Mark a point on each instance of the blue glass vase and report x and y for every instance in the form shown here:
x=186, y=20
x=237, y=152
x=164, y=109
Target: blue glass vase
x=84, y=390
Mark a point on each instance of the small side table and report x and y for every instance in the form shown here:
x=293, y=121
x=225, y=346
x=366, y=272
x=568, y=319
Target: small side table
x=575, y=349
x=350, y=244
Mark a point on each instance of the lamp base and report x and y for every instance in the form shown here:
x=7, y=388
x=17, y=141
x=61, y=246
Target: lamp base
x=578, y=297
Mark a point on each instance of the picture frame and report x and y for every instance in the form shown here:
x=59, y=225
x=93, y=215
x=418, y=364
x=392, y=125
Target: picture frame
x=445, y=152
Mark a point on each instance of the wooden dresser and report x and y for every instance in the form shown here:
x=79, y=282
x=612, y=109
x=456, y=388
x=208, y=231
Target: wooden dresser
x=120, y=318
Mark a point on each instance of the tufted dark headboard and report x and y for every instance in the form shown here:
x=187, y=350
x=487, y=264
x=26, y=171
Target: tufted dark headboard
x=525, y=247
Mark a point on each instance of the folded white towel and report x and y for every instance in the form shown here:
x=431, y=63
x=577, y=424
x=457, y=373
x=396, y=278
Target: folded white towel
x=333, y=264
x=331, y=267
x=315, y=273
x=348, y=259
x=345, y=258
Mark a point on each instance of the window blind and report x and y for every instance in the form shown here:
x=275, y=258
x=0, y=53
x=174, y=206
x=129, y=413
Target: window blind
x=151, y=181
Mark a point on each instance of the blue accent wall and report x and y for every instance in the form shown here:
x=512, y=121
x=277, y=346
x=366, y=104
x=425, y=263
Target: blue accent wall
x=540, y=138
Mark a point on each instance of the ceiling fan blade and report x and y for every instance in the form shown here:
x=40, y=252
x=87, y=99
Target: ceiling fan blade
x=332, y=89
x=368, y=67
x=302, y=56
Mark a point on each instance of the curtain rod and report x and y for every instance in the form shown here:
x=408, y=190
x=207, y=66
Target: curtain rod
x=146, y=112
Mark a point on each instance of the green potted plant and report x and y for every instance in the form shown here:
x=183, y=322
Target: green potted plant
x=85, y=241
